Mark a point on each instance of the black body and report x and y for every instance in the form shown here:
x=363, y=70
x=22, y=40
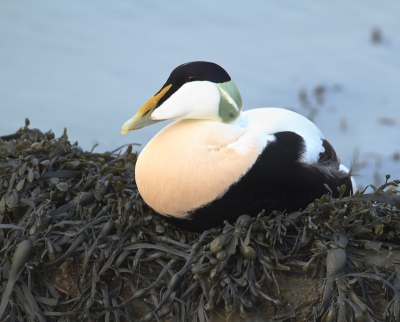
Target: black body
x=277, y=181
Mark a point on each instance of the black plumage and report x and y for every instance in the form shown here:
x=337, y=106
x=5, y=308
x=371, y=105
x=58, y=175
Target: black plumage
x=279, y=180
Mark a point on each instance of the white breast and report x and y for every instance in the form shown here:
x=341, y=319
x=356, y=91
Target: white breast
x=191, y=163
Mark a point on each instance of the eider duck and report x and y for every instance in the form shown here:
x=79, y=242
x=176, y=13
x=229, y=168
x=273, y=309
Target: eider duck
x=216, y=162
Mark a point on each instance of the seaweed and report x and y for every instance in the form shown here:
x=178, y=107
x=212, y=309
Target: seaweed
x=77, y=242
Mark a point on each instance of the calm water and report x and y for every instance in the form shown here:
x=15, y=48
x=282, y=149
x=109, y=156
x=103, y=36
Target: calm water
x=89, y=66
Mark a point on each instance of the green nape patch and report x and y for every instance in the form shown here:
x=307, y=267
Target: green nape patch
x=77, y=242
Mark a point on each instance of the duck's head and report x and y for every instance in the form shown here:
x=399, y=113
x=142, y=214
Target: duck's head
x=195, y=90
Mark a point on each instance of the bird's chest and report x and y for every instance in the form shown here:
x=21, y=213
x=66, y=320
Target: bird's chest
x=190, y=163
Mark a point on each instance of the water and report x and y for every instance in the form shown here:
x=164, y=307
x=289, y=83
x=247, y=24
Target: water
x=89, y=66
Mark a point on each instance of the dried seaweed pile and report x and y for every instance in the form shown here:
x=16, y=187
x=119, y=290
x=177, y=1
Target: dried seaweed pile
x=78, y=243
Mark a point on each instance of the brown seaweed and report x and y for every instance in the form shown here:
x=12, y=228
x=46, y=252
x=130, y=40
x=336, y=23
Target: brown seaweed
x=77, y=242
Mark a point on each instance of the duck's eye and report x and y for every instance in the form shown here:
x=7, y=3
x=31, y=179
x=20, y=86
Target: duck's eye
x=192, y=78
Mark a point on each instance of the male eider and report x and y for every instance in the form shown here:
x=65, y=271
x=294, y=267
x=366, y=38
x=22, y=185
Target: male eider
x=215, y=162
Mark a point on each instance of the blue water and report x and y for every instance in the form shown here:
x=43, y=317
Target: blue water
x=89, y=66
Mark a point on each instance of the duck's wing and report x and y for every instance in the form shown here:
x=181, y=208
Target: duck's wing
x=275, y=120
x=315, y=153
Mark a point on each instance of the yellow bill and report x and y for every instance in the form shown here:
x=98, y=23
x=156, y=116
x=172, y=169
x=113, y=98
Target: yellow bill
x=143, y=117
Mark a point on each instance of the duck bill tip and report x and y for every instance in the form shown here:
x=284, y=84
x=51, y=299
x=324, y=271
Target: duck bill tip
x=128, y=126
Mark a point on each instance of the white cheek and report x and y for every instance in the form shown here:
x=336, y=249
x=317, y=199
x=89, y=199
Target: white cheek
x=194, y=100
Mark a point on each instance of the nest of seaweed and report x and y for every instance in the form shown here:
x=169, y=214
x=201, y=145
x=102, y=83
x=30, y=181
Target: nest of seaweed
x=77, y=242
